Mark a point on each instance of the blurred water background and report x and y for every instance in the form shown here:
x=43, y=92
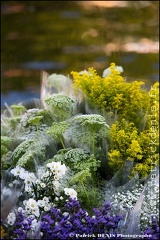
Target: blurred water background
x=61, y=36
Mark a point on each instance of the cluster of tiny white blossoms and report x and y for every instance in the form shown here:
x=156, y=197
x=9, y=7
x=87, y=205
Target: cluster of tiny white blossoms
x=70, y=192
x=50, y=178
x=32, y=207
x=28, y=177
x=57, y=169
x=126, y=200
x=11, y=218
x=150, y=206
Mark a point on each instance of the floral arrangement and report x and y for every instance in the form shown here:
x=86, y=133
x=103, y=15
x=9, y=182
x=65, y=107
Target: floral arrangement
x=83, y=161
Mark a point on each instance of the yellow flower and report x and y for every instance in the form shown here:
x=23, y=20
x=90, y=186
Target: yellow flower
x=3, y=233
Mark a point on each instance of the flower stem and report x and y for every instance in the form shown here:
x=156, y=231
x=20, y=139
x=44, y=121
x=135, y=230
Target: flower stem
x=61, y=140
x=85, y=191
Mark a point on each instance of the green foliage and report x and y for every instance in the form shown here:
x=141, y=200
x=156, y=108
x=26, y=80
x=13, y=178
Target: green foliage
x=5, y=143
x=60, y=106
x=18, y=109
x=132, y=112
x=81, y=176
x=4, y=150
x=57, y=130
x=20, y=150
x=86, y=189
x=35, y=120
x=89, y=163
x=88, y=129
x=38, y=136
x=47, y=119
x=28, y=151
x=77, y=159
x=35, y=152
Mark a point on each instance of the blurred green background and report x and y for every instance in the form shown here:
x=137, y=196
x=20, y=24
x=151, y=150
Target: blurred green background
x=61, y=36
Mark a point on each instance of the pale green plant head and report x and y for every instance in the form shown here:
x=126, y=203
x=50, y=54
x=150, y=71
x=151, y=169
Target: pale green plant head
x=60, y=106
x=87, y=130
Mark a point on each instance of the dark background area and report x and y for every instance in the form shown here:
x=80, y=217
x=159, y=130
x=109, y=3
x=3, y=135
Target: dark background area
x=61, y=36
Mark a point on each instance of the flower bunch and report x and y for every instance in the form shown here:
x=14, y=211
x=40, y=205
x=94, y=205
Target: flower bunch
x=73, y=221
x=66, y=223
x=125, y=201
x=65, y=161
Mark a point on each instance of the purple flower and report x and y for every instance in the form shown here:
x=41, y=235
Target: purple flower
x=21, y=226
x=153, y=230
x=48, y=219
x=59, y=224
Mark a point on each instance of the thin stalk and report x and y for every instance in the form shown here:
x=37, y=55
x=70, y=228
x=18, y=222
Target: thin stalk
x=61, y=140
x=85, y=191
x=38, y=131
x=93, y=143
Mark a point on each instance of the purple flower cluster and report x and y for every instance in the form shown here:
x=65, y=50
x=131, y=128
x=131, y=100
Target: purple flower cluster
x=72, y=221
x=21, y=227
x=153, y=230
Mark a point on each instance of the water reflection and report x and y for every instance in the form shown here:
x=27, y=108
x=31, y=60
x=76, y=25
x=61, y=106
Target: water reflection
x=43, y=65
x=62, y=36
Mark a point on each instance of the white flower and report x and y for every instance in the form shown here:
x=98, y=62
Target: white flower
x=57, y=168
x=70, y=192
x=38, y=182
x=28, y=182
x=36, y=212
x=43, y=185
x=107, y=71
x=31, y=177
x=20, y=209
x=19, y=171
x=65, y=214
x=11, y=218
x=45, y=175
x=61, y=171
x=31, y=207
x=47, y=208
x=28, y=189
x=56, y=178
x=85, y=72
x=41, y=203
x=46, y=199
x=56, y=185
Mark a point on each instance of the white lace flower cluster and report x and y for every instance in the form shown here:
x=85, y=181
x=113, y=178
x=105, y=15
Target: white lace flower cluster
x=28, y=177
x=11, y=218
x=126, y=200
x=150, y=205
x=70, y=192
x=57, y=169
x=32, y=207
x=49, y=179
